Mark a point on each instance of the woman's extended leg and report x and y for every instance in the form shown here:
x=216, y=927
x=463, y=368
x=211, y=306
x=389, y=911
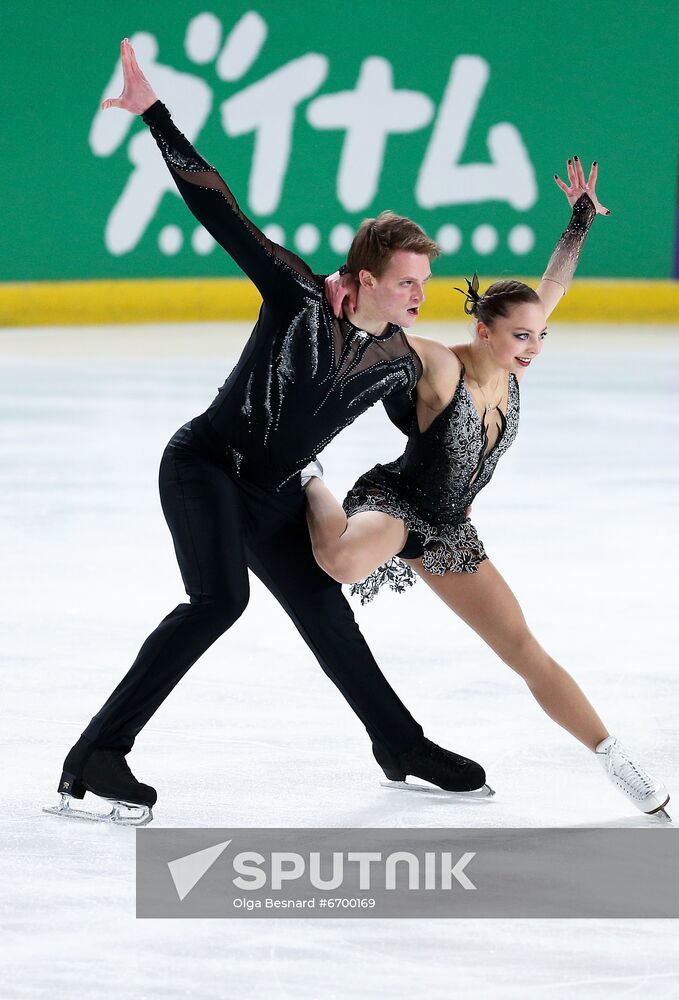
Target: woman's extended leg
x=349, y=549
x=485, y=602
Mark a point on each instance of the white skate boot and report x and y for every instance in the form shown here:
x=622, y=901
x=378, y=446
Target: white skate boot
x=643, y=791
x=309, y=471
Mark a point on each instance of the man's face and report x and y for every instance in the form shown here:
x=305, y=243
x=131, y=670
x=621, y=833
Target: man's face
x=396, y=296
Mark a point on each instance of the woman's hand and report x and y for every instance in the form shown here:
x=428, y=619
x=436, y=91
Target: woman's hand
x=341, y=292
x=579, y=186
x=137, y=95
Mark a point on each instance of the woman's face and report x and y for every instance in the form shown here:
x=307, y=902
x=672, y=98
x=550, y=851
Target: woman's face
x=515, y=340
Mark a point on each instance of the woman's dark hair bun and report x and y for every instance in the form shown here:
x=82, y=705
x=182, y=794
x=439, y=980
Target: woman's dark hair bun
x=472, y=297
x=497, y=300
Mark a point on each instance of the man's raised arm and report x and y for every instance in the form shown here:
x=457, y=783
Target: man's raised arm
x=270, y=267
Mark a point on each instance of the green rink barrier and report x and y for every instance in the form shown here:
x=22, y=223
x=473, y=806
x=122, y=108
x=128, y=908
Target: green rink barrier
x=230, y=299
x=317, y=115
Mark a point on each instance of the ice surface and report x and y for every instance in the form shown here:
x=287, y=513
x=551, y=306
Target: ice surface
x=581, y=518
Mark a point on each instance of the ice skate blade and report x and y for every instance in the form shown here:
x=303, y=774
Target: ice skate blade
x=661, y=812
x=662, y=815
x=476, y=794
x=119, y=814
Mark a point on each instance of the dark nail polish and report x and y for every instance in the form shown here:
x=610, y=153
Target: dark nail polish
x=594, y=164
x=569, y=162
x=575, y=157
x=555, y=177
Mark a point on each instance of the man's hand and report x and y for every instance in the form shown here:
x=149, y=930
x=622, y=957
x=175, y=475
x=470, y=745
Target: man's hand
x=579, y=186
x=341, y=292
x=137, y=96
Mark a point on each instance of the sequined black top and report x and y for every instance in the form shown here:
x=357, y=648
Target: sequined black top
x=444, y=467
x=303, y=375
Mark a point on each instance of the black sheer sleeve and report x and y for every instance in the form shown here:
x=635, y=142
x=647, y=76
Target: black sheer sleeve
x=270, y=267
x=564, y=259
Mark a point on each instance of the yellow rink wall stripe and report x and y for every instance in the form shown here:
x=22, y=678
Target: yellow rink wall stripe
x=68, y=303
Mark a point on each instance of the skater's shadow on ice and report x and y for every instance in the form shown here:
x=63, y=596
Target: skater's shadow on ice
x=624, y=823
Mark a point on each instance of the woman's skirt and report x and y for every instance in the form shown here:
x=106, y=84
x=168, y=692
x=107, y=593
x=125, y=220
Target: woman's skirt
x=446, y=541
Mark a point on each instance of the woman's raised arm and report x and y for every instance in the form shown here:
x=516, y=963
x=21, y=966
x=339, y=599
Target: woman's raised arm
x=582, y=198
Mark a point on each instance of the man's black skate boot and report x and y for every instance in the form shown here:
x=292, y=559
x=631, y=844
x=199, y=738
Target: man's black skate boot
x=432, y=763
x=70, y=782
x=103, y=772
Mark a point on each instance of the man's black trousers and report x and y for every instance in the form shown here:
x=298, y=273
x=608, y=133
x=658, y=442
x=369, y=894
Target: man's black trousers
x=220, y=527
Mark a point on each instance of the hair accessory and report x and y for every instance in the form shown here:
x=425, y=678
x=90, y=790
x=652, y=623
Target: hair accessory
x=472, y=297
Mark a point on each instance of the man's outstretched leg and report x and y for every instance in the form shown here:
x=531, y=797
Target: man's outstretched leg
x=285, y=564
x=203, y=510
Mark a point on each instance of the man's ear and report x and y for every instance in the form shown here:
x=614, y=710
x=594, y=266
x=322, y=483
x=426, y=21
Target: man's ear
x=366, y=278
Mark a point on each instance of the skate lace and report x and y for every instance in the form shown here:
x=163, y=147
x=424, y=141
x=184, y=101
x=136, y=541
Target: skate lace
x=620, y=766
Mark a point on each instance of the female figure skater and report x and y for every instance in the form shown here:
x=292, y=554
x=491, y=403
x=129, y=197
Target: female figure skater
x=410, y=516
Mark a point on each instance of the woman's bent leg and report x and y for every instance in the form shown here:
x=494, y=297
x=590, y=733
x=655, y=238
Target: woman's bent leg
x=349, y=549
x=485, y=602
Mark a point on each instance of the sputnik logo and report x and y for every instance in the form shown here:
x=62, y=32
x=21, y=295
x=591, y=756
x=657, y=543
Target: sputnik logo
x=187, y=871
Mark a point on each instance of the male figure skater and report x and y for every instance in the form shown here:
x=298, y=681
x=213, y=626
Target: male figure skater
x=230, y=480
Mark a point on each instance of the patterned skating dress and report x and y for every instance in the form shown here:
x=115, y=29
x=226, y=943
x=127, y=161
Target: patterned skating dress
x=431, y=485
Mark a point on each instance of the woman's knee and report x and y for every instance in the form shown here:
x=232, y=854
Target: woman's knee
x=341, y=563
x=524, y=654
x=345, y=566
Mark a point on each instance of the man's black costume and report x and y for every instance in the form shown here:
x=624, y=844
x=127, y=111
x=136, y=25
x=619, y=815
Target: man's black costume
x=231, y=494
